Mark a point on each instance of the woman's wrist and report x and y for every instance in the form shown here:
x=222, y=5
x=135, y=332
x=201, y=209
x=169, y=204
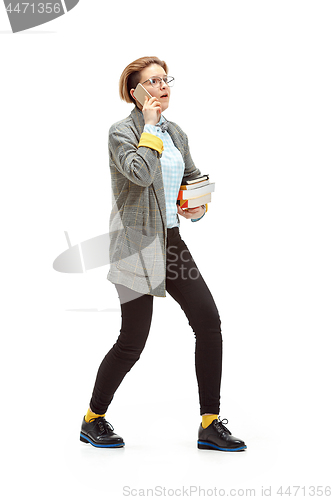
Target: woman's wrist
x=150, y=122
x=205, y=210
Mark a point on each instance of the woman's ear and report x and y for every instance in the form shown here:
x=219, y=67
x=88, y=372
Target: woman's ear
x=137, y=104
x=132, y=93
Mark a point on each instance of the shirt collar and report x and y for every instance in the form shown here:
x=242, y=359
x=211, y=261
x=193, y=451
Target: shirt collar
x=162, y=119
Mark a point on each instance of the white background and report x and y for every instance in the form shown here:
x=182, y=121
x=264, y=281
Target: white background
x=253, y=92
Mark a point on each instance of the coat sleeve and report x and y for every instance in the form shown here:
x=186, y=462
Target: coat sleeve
x=137, y=163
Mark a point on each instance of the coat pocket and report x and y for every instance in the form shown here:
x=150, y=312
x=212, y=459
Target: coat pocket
x=141, y=255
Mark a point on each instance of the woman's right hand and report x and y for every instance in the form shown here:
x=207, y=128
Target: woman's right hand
x=151, y=111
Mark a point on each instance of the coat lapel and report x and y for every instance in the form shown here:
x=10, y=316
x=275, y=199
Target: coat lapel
x=175, y=138
x=138, y=120
x=158, y=187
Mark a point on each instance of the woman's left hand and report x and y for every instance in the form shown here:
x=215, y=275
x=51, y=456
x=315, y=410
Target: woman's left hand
x=191, y=213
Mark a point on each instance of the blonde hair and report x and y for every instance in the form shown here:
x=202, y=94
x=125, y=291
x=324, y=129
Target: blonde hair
x=130, y=77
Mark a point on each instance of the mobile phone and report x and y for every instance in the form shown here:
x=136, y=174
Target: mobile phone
x=140, y=92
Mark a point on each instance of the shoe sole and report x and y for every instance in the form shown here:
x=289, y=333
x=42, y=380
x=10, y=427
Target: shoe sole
x=85, y=439
x=205, y=445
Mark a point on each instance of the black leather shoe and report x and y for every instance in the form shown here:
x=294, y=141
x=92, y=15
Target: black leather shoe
x=217, y=437
x=99, y=432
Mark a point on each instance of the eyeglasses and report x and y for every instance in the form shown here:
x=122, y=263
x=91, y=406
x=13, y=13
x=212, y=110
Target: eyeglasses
x=156, y=81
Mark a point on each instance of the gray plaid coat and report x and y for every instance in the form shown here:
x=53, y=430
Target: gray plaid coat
x=138, y=227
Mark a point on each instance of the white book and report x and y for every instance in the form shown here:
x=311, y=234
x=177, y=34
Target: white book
x=195, y=202
x=186, y=187
x=194, y=193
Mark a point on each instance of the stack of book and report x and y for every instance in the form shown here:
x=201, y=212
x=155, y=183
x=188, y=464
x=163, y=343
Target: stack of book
x=195, y=192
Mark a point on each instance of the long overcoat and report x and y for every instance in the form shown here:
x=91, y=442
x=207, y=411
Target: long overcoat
x=138, y=227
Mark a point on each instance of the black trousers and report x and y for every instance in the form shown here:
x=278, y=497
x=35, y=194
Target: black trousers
x=186, y=285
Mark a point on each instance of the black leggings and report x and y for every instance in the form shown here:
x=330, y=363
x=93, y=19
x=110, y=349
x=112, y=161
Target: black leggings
x=186, y=285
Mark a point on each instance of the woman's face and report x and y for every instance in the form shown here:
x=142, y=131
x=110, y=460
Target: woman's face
x=162, y=92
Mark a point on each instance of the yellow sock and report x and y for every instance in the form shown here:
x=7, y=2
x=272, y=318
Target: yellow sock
x=91, y=415
x=207, y=420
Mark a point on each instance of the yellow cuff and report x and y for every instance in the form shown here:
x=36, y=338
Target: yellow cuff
x=151, y=141
x=206, y=207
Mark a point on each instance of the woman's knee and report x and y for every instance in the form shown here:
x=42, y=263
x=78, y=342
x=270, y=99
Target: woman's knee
x=128, y=353
x=206, y=314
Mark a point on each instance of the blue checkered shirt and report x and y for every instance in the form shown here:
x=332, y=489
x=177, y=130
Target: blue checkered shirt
x=172, y=172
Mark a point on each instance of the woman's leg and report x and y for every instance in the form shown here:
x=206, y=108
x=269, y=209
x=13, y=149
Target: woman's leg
x=186, y=285
x=136, y=319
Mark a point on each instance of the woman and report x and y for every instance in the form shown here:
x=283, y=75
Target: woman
x=149, y=160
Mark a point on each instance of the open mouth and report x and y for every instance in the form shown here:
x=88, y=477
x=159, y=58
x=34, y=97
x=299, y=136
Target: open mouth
x=164, y=95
